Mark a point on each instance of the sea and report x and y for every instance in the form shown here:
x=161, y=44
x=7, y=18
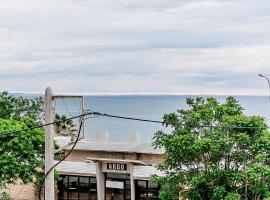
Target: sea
x=151, y=107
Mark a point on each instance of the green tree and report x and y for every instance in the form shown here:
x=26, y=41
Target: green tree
x=21, y=154
x=65, y=126
x=207, y=157
x=20, y=107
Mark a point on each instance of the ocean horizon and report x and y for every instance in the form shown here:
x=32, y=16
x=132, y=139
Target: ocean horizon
x=151, y=107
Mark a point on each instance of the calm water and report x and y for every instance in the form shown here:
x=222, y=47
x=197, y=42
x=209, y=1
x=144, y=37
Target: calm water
x=147, y=107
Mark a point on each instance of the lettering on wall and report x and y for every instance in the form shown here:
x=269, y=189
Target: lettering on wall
x=117, y=167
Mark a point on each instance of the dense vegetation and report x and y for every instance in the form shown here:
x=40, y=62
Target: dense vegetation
x=207, y=157
x=22, y=153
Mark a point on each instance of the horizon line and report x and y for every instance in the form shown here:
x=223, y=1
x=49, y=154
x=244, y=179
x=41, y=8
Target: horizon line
x=131, y=94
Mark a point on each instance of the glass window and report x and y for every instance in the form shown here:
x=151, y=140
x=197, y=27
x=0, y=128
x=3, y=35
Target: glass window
x=146, y=190
x=84, y=187
x=77, y=187
x=127, y=190
x=73, y=187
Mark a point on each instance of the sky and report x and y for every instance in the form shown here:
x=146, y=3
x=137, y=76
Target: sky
x=135, y=46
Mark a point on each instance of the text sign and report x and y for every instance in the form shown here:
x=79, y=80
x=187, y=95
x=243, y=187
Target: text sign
x=115, y=184
x=116, y=167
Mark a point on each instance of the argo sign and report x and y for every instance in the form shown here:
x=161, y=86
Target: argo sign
x=117, y=167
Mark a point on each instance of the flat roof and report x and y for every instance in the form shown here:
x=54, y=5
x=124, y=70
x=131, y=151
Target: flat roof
x=127, y=147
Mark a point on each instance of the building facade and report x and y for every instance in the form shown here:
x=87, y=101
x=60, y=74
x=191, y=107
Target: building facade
x=109, y=171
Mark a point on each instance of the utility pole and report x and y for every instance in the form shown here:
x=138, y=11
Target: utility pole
x=49, y=154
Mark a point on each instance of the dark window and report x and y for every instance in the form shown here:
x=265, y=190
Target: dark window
x=145, y=190
x=77, y=187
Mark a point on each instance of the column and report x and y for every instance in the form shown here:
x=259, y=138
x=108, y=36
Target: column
x=100, y=182
x=132, y=182
x=49, y=147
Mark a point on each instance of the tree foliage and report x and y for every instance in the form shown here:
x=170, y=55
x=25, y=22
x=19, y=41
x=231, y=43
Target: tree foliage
x=207, y=157
x=12, y=107
x=22, y=154
x=65, y=126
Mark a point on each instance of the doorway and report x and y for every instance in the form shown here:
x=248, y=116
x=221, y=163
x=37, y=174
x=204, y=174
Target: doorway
x=117, y=187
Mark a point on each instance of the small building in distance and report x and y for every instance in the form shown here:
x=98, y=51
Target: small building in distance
x=103, y=170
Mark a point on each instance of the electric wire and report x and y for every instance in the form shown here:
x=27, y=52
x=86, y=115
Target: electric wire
x=66, y=107
x=128, y=118
x=55, y=165
x=162, y=122
x=119, y=117
x=42, y=125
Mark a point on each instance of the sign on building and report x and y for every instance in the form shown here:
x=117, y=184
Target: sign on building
x=117, y=167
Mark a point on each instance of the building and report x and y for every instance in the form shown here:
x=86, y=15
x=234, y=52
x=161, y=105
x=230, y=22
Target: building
x=98, y=169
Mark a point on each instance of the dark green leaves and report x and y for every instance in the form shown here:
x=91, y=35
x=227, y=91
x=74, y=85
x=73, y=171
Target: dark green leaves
x=20, y=107
x=214, y=152
x=21, y=154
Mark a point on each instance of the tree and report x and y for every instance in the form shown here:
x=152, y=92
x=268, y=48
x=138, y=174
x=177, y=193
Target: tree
x=21, y=153
x=12, y=107
x=64, y=126
x=214, y=151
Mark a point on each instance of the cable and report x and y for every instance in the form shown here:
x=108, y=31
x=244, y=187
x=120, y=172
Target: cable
x=66, y=107
x=72, y=148
x=43, y=125
x=162, y=122
x=119, y=117
x=129, y=118
x=91, y=117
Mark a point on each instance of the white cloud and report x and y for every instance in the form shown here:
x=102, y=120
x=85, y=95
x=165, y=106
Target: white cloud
x=125, y=46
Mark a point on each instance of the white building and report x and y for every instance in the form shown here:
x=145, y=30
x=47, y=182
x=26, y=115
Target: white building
x=113, y=171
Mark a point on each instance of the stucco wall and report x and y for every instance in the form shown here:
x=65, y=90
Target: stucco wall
x=20, y=191
x=83, y=155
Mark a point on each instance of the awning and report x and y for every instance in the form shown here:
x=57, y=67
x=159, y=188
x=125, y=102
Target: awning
x=89, y=169
x=76, y=168
x=145, y=172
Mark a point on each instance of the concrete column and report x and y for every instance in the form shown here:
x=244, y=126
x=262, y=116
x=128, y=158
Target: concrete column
x=49, y=155
x=132, y=183
x=100, y=182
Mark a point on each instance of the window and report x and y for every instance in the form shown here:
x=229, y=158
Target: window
x=77, y=187
x=145, y=190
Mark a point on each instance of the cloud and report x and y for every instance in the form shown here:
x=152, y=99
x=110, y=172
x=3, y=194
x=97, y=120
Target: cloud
x=117, y=46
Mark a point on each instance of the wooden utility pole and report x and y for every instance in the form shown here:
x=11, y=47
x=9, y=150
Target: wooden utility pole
x=49, y=155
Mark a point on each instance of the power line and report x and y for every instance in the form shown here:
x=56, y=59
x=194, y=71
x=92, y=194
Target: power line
x=66, y=107
x=162, y=122
x=72, y=148
x=129, y=118
x=120, y=117
x=43, y=125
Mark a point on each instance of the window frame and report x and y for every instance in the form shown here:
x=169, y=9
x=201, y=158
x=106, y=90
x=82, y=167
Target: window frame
x=66, y=190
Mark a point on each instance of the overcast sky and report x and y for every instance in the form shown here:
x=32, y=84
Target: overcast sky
x=135, y=46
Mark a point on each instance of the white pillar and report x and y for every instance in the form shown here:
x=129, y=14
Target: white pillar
x=49, y=156
x=132, y=182
x=100, y=182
